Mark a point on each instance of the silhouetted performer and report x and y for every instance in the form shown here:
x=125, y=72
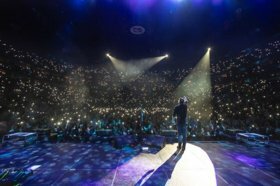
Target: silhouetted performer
x=180, y=111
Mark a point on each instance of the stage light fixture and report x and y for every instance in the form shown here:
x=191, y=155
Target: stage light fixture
x=209, y=48
x=108, y=55
x=166, y=56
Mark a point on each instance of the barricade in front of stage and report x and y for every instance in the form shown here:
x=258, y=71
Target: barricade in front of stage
x=102, y=135
x=133, y=140
x=120, y=141
x=44, y=134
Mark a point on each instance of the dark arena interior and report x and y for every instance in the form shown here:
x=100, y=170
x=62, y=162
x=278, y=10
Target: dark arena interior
x=139, y=92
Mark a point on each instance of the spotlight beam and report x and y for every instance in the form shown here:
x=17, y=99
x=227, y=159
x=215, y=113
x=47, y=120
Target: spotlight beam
x=134, y=68
x=197, y=86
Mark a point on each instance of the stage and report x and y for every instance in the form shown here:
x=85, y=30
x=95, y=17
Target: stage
x=202, y=163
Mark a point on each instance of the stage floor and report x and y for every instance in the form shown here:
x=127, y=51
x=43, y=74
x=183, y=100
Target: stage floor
x=202, y=163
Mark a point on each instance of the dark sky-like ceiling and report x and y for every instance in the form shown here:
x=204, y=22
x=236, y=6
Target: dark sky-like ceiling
x=82, y=31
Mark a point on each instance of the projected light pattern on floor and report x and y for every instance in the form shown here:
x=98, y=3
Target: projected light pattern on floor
x=191, y=167
x=101, y=164
x=249, y=160
x=237, y=164
x=65, y=162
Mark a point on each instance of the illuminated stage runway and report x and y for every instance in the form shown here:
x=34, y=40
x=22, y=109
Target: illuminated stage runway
x=101, y=164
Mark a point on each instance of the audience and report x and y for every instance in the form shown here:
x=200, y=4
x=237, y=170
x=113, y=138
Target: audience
x=76, y=101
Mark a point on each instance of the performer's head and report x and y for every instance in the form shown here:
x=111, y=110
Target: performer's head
x=183, y=100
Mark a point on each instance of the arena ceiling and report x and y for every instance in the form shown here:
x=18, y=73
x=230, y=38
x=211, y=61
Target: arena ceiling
x=83, y=31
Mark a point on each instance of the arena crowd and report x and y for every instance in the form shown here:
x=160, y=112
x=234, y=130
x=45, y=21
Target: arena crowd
x=76, y=101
